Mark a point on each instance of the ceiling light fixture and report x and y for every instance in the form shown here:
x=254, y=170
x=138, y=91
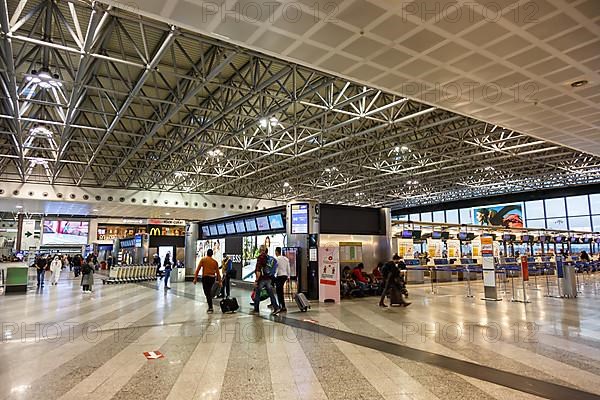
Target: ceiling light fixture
x=19, y=206
x=43, y=78
x=215, y=153
x=274, y=121
x=263, y=122
x=286, y=184
x=168, y=213
x=40, y=130
x=95, y=210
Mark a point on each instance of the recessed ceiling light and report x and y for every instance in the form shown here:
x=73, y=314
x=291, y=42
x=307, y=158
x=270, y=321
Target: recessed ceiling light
x=167, y=213
x=95, y=210
x=286, y=184
x=19, y=206
x=580, y=83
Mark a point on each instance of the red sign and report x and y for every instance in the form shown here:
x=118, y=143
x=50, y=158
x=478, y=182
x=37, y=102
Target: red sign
x=524, y=268
x=153, y=355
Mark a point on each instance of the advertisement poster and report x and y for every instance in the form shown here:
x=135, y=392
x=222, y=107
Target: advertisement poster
x=434, y=248
x=65, y=232
x=250, y=250
x=217, y=246
x=506, y=215
x=350, y=252
x=329, y=273
x=406, y=248
x=453, y=248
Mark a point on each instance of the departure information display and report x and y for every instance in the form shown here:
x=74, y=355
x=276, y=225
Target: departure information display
x=299, y=218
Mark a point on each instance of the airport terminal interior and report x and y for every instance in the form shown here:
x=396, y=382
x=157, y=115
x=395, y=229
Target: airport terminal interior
x=300, y=199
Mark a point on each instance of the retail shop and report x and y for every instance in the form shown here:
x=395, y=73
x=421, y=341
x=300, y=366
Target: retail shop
x=318, y=239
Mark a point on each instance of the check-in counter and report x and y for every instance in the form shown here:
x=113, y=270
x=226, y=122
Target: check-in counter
x=471, y=264
x=414, y=271
x=441, y=271
x=17, y=279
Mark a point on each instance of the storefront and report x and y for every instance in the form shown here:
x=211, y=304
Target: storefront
x=241, y=237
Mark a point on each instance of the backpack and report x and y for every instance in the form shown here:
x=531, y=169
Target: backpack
x=229, y=267
x=271, y=267
x=86, y=269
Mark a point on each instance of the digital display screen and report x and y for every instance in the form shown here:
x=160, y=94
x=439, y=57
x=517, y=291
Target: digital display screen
x=542, y=238
x=65, y=232
x=558, y=239
x=445, y=235
x=416, y=234
x=263, y=223
x=213, y=230
x=508, y=237
x=574, y=239
x=276, y=221
x=221, y=229
x=205, y=231
x=525, y=238
x=239, y=226
x=462, y=235
x=299, y=218
x=230, y=228
x=436, y=235
x=251, y=225
x=407, y=234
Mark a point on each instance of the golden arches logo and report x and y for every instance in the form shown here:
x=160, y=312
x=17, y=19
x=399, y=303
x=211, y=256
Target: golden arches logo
x=155, y=232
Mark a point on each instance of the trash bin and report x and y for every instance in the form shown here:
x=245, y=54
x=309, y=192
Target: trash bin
x=568, y=283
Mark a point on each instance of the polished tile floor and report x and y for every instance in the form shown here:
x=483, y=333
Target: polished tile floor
x=58, y=343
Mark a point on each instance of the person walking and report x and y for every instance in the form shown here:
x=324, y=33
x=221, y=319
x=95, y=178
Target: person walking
x=156, y=263
x=55, y=267
x=226, y=271
x=283, y=273
x=210, y=269
x=168, y=268
x=77, y=264
x=266, y=268
x=393, y=279
x=40, y=267
x=87, y=275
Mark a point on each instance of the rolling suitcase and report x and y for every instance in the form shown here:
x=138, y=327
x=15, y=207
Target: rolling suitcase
x=215, y=289
x=229, y=305
x=396, y=297
x=302, y=302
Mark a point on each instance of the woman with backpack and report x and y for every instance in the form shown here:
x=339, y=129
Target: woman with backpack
x=87, y=275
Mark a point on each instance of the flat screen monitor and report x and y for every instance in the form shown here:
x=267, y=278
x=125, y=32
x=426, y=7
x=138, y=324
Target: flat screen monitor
x=65, y=232
x=558, y=239
x=230, y=228
x=299, y=218
x=574, y=239
x=416, y=234
x=407, y=234
x=276, y=221
x=239, y=226
x=508, y=237
x=587, y=240
x=542, y=238
x=598, y=240
x=462, y=235
x=221, y=229
x=445, y=235
x=213, y=230
x=526, y=238
x=263, y=223
x=250, y=225
x=436, y=235
x=205, y=231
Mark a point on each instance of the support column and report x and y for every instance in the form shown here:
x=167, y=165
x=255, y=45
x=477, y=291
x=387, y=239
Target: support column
x=191, y=237
x=18, y=242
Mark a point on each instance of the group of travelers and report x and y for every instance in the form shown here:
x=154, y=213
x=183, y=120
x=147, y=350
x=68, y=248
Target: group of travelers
x=385, y=280
x=56, y=263
x=165, y=267
x=270, y=272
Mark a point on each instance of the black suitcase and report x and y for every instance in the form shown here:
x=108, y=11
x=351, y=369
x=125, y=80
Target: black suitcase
x=229, y=305
x=302, y=302
x=396, y=297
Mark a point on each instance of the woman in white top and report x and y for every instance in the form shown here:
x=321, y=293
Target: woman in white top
x=55, y=268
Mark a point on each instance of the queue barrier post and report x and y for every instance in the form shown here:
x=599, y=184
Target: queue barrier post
x=469, y=294
x=535, y=285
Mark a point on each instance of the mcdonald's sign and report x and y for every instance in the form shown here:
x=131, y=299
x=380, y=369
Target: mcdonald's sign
x=155, y=231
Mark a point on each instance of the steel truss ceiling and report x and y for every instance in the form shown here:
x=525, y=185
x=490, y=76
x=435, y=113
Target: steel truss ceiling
x=139, y=104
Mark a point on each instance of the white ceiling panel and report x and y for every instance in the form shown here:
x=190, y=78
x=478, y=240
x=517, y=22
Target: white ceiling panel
x=550, y=42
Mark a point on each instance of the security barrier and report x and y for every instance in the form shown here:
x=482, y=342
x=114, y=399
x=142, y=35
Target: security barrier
x=130, y=273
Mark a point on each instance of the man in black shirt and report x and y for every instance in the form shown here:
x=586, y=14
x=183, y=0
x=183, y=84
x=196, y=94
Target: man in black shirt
x=40, y=266
x=393, y=279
